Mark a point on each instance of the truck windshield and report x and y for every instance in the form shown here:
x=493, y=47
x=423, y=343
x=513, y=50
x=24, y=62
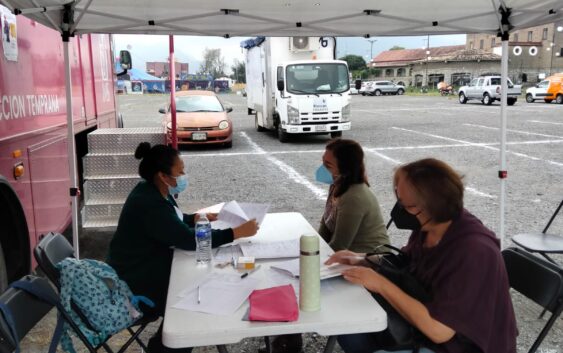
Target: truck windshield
x=317, y=78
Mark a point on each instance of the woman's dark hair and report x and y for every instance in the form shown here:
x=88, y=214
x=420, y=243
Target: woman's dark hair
x=350, y=159
x=439, y=188
x=158, y=158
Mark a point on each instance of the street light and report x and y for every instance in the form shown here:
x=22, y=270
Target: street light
x=371, y=41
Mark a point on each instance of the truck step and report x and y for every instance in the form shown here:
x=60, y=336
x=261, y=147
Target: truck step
x=123, y=141
x=105, y=165
x=108, y=191
x=100, y=214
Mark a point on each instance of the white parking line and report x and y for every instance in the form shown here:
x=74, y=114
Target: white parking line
x=321, y=194
x=480, y=145
x=479, y=193
x=515, y=131
x=544, y=122
x=381, y=155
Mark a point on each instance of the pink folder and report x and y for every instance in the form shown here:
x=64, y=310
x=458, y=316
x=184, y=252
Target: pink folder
x=274, y=304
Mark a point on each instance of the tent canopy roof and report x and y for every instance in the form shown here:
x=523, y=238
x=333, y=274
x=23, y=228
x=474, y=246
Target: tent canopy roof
x=231, y=18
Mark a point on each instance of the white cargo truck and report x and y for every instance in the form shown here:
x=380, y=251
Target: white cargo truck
x=295, y=86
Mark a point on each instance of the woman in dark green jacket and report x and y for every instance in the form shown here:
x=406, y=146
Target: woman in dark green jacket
x=151, y=225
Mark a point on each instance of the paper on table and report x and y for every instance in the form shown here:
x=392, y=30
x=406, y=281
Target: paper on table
x=227, y=253
x=220, y=294
x=271, y=250
x=233, y=214
x=291, y=268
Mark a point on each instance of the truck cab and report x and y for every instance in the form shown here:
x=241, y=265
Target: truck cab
x=312, y=97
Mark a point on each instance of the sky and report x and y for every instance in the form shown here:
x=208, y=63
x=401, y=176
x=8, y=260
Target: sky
x=190, y=49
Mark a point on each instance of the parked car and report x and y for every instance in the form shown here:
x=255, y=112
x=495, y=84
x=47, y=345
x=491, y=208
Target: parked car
x=353, y=89
x=487, y=90
x=378, y=88
x=365, y=86
x=201, y=119
x=549, y=89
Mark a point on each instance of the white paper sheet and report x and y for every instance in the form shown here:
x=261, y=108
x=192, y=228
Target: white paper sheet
x=220, y=294
x=271, y=250
x=291, y=268
x=227, y=253
x=233, y=214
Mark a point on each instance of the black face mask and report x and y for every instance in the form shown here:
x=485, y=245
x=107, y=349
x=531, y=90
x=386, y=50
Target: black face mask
x=404, y=219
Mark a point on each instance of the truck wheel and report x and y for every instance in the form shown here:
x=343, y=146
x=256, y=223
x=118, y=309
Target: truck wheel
x=282, y=135
x=559, y=99
x=336, y=134
x=529, y=98
x=258, y=127
x=377, y=92
x=3, y=272
x=462, y=98
x=487, y=100
x=400, y=92
x=510, y=101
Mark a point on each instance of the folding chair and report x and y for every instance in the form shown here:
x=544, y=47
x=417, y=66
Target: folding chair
x=26, y=311
x=539, y=280
x=543, y=243
x=54, y=248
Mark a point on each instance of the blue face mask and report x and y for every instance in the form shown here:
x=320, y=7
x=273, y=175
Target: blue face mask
x=181, y=185
x=322, y=175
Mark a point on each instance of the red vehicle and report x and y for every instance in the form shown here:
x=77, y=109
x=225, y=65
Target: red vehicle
x=34, y=168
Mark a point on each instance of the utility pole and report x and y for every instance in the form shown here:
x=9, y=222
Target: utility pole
x=427, y=57
x=371, y=41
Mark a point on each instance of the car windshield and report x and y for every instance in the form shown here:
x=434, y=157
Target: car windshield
x=317, y=78
x=190, y=104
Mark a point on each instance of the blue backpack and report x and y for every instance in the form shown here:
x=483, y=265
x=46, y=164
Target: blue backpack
x=104, y=299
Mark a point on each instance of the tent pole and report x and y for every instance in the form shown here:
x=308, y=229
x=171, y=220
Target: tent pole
x=71, y=148
x=502, y=171
x=172, y=71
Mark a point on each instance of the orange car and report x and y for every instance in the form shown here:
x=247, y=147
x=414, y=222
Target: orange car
x=555, y=89
x=201, y=119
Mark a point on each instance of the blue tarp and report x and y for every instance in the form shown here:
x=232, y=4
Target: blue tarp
x=137, y=75
x=253, y=42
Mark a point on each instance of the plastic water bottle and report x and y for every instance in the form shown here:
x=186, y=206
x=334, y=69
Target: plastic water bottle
x=203, y=240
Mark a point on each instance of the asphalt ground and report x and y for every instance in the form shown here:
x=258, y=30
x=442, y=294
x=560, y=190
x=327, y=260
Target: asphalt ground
x=392, y=130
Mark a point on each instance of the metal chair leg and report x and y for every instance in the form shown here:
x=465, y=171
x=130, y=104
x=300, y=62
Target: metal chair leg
x=268, y=346
x=222, y=348
x=329, y=347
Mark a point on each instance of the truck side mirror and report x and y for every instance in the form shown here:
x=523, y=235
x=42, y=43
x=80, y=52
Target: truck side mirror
x=358, y=84
x=281, y=85
x=125, y=60
x=162, y=111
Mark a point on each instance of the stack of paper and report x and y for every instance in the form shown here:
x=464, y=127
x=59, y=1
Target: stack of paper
x=291, y=268
x=219, y=294
x=270, y=250
x=233, y=214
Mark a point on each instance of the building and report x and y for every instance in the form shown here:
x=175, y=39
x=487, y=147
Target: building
x=161, y=68
x=426, y=67
x=534, y=53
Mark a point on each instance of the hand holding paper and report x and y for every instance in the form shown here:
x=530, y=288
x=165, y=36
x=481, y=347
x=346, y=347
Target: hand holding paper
x=234, y=214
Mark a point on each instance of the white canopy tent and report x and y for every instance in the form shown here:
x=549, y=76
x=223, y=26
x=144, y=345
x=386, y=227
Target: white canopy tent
x=229, y=18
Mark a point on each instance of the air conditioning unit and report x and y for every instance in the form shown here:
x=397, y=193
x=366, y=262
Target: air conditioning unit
x=303, y=44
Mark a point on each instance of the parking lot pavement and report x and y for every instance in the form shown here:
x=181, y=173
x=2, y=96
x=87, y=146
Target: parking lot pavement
x=392, y=130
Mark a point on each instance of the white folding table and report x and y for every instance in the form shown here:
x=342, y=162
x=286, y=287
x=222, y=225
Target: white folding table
x=345, y=308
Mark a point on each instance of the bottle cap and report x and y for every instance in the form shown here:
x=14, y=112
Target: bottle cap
x=309, y=243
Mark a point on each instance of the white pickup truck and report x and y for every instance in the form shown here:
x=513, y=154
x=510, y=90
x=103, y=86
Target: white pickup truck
x=487, y=90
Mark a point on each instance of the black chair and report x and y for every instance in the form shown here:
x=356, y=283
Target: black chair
x=539, y=280
x=543, y=243
x=27, y=311
x=54, y=248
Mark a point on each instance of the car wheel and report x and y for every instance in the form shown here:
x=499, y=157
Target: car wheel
x=282, y=135
x=377, y=92
x=510, y=101
x=487, y=100
x=336, y=134
x=559, y=99
x=529, y=98
x=462, y=98
x=228, y=144
x=258, y=127
x=400, y=92
x=364, y=94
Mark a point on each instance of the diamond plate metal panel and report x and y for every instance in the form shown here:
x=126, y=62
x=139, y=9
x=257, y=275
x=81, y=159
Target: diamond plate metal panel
x=103, y=213
x=123, y=141
x=108, y=191
x=110, y=165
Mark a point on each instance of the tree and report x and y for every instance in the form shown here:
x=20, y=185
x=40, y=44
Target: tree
x=239, y=71
x=396, y=47
x=355, y=62
x=213, y=63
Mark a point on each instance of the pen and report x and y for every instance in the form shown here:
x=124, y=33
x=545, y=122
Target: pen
x=198, y=295
x=250, y=272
